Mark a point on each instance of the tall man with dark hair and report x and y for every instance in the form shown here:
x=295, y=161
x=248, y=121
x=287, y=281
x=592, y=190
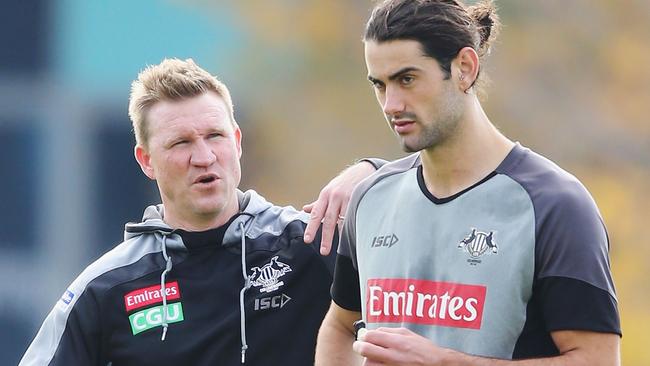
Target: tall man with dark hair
x=475, y=250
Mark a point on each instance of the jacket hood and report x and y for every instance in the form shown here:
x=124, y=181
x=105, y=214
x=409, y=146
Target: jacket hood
x=258, y=216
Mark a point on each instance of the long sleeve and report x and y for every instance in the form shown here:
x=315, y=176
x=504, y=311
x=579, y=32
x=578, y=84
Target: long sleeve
x=70, y=335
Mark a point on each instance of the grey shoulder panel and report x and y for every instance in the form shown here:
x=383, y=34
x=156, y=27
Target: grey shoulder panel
x=570, y=236
x=261, y=217
x=347, y=245
x=274, y=220
x=44, y=346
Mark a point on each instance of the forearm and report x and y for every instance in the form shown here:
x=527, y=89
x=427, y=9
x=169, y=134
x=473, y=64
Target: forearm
x=577, y=348
x=401, y=346
x=567, y=359
x=459, y=359
x=334, y=345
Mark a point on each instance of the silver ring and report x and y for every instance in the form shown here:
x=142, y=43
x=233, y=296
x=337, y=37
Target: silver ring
x=341, y=217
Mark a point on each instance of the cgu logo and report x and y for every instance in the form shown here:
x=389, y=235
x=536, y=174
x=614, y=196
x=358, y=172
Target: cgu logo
x=384, y=241
x=277, y=301
x=151, y=318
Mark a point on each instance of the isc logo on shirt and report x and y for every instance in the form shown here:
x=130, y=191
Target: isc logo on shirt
x=152, y=317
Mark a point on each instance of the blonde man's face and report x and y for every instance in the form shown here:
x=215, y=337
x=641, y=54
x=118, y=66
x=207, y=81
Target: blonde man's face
x=193, y=152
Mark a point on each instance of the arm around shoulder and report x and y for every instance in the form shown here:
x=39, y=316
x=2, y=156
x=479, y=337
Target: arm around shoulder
x=331, y=205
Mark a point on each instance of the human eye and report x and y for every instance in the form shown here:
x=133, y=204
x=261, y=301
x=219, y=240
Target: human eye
x=178, y=143
x=378, y=85
x=407, y=79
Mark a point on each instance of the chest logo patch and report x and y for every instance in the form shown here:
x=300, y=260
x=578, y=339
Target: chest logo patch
x=153, y=317
x=267, y=277
x=150, y=295
x=477, y=243
x=415, y=301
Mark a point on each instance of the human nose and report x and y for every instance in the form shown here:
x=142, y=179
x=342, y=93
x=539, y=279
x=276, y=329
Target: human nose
x=202, y=154
x=393, y=102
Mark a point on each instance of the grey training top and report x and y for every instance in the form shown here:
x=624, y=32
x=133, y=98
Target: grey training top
x=490, y=271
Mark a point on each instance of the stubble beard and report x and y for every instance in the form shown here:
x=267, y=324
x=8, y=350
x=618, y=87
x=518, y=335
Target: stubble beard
x=440, y=129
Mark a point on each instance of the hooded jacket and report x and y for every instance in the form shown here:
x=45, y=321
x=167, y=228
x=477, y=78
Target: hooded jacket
x=222, y=308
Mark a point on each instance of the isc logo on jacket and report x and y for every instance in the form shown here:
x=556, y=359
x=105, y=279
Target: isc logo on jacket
x=153, y=316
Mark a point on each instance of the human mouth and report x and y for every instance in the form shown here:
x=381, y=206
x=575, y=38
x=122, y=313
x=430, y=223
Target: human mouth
x=403, y=126
x=206, y=179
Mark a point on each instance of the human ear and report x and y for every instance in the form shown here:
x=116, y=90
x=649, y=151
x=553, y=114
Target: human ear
x=144, y=160
x=467, y=68
x=238, y=137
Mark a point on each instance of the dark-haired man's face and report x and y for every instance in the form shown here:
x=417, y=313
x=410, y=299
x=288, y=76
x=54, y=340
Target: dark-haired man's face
x=421, y=107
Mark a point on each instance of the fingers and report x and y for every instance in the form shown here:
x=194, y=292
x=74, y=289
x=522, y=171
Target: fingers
x=308, y=207
x=332, y=203
x=315, y=219
x=325, y=210
x=376, y=355
x=330, y=219
x=383, y=346
x=400, y=330
x=344, y=209
x=384, y=337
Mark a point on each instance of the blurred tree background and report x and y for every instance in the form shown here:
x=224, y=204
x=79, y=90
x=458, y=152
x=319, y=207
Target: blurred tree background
x=569, y=80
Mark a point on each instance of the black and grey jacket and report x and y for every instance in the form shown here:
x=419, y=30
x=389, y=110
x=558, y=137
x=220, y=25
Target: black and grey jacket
x=223, y=307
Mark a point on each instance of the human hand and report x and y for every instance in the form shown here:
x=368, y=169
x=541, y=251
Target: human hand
x=332, y=203
x=398, y=346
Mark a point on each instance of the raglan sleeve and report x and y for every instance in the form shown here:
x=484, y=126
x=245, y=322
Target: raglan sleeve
x=573, y=281
x=71, y=333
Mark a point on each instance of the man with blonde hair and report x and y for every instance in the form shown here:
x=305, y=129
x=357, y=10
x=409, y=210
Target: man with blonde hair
x=213, y=275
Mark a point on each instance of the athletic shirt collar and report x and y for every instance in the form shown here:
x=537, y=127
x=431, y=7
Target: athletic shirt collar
x=199, y=240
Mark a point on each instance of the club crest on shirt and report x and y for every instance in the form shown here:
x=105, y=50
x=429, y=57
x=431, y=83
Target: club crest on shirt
x=267, y=277
x=477, y=243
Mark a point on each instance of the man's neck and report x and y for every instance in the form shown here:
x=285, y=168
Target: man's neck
x=200, y=222
x=476, y=149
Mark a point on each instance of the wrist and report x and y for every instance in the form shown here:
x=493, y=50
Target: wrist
x=449, y=357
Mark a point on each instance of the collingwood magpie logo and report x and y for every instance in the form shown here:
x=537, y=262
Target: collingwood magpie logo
x=267, y=276
x=477, y=243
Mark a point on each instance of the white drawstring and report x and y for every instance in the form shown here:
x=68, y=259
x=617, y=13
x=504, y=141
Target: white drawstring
x=163, y=292
x=247, y=285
